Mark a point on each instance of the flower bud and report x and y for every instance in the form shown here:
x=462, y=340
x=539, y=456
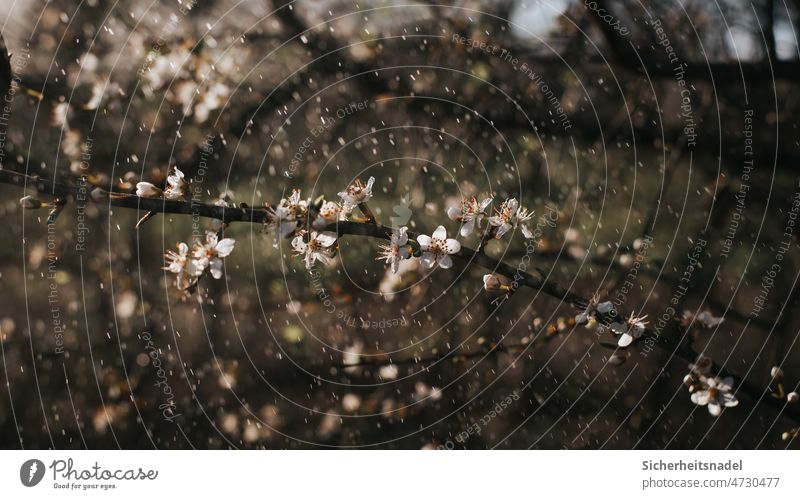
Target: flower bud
x=496, y=283
x=777, y=373
x=30, y=203
x=792, y=397
x=147, y=190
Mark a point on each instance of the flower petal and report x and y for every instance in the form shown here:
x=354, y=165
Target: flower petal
x=445, y=261
x=427, y=260
x=440, y=233
x=196, y=266
x=175, y=267
x=526, y=231
x=454, y=213
x=467, y=228
x=216, y=268
x=501, y=230
x=174, y=194
x=714, y=408
x=700, y=398
x=299, y=245
x=326, y=239
x=400, y=237
x=148, y=190
x=726, y=384
x=452, y=246
x=729, y=400
x=625, y=340
x=424, y=242
x=225, y=247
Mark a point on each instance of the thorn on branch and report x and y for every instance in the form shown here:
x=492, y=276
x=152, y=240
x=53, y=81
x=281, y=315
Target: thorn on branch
x=147, y=216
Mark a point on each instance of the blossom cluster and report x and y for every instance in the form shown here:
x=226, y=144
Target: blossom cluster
x=603, y=315
x=191, y=77
x=710, y=391
x=305, y=222
x=310, y=241
x=471, y=214
x=175, y=190
x=188, y=265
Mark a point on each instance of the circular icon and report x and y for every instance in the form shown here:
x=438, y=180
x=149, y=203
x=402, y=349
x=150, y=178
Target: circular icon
x=31, y=472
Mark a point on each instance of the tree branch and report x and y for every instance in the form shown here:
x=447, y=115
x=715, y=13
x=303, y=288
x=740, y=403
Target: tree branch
x=466, y=256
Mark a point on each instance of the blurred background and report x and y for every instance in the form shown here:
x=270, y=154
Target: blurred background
x=638, y=128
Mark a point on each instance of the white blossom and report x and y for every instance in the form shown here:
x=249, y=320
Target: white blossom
x=176, y=185
x=396, y=250
x=289, y=212
x=187, y=269
x=319, y=247
x=210, y=254
x=328, y=213
x=355, y=194
x=715, y=393
x=629, y=330
x=437, y=248
x=511, y=215
x=471, y=213
x=592, y=310
x=148, y=190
